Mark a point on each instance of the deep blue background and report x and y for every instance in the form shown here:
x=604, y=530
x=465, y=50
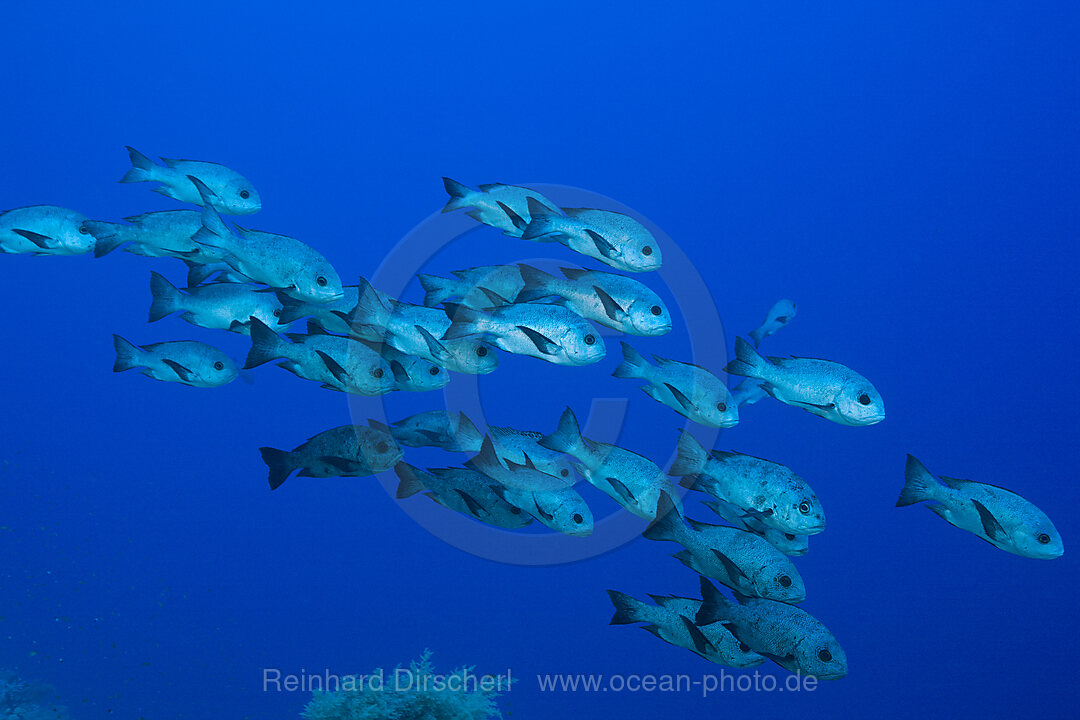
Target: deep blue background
x=907, y=173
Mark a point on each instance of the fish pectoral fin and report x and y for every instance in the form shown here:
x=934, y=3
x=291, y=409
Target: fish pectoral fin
x=42, y=241
x=621, y=488
x=701, y=643
x=602, y=245
x=470, y=502
x=436, y=348
x=332, y=365
x=733, y=570
x=399, y=370
x=679, y=396
x=528, y=461
x=544, y=344
x=516, y=219
x=991, y=526
x=546, y=515
x=757, y=514
x=493, y=297
x=342, y=464
x=182, y=372
x=611, y=307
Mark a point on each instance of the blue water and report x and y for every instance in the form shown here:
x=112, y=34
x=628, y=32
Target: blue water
x=906, y=172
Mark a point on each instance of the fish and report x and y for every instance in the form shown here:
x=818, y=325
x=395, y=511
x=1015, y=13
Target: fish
x=523, y=447
x=165, y=233
x=331, y=316
x=786, y=634
x=44, y=230
x=612, y=238
x=438, y=428
x=688, y=389
x=739, y=559
x=551, y=333
x=766, y=490
x=417, y=330
x=337, y=363
x=186, y=362
x=612, y=300
x=218, y=306
x=413, y=374
x=821, y=387
x=504, y=207
x=233, y=194
x=346, y=451
x=780, y=314
x=788, y=543
x=503, y=280
x=278, y=261
x=461, y=490
x=998, y=516
x=748, y=392
x=671, y=620
x=548, y=498
x=633, y=481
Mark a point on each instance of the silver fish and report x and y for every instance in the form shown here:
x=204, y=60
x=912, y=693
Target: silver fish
x=780, y=314
x=763, y=489
x=688, y=389
x=1000, y=517
x=346, y=451
x=503, y=280
x=44, y=230
x=615, y=301
x=633, y=481
x=219, y=306
x=233, y=194
x=820, y=387
x=739, y=559
x=182, y=361
x=337, y=363
x=612, y=238
x=788, y=635
x=496, y=205
x=547, y=332
x=465, y=491
x=671, y=620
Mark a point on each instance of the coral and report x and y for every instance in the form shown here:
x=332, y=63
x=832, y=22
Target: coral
x=427, y=696
x=22, y=700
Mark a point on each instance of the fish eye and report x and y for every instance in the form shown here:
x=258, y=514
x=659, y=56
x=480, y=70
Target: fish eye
x=656, y=310
x=864, y=399
x=789, y=536
x=381, y=447
x=589, y=339
x=1043, y=539
x=245, y=194
x=277, y=313
x=320, y=281
x=377, y=372
x=647, y=250
x=564, y=472
x=83, y=230
x=744, y=647
x=219, y=365
x=825, y=655
x=515, y=510
x=434, y=370
x=481, y=351
x=578, y=519
x=785, y=581
x=722, y=407
x=804, y=507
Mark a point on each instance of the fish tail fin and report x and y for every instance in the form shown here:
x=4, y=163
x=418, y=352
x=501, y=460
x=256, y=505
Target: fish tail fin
x=167, y=299
x=633, y=365
x=142, y=167
x=691, y=458
x=757, y=335
x=292, y=309
x=567, y=437
x=714, y=606
x=107, y=236
x=458, y=193
x=748, y=361
x=197, y=272
x=436, y=289
x=370, y=308
x=214, y=231
x=464, y=321
x=411, y=480
x=127, y=355
x=541, y=218
x=668, y=524
x=627, y=609
x=266, y=345
x=280, y=463
x=919, y=484
x=537, y=283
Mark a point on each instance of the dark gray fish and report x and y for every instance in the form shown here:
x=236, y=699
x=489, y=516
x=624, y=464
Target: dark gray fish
x=346, y=451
